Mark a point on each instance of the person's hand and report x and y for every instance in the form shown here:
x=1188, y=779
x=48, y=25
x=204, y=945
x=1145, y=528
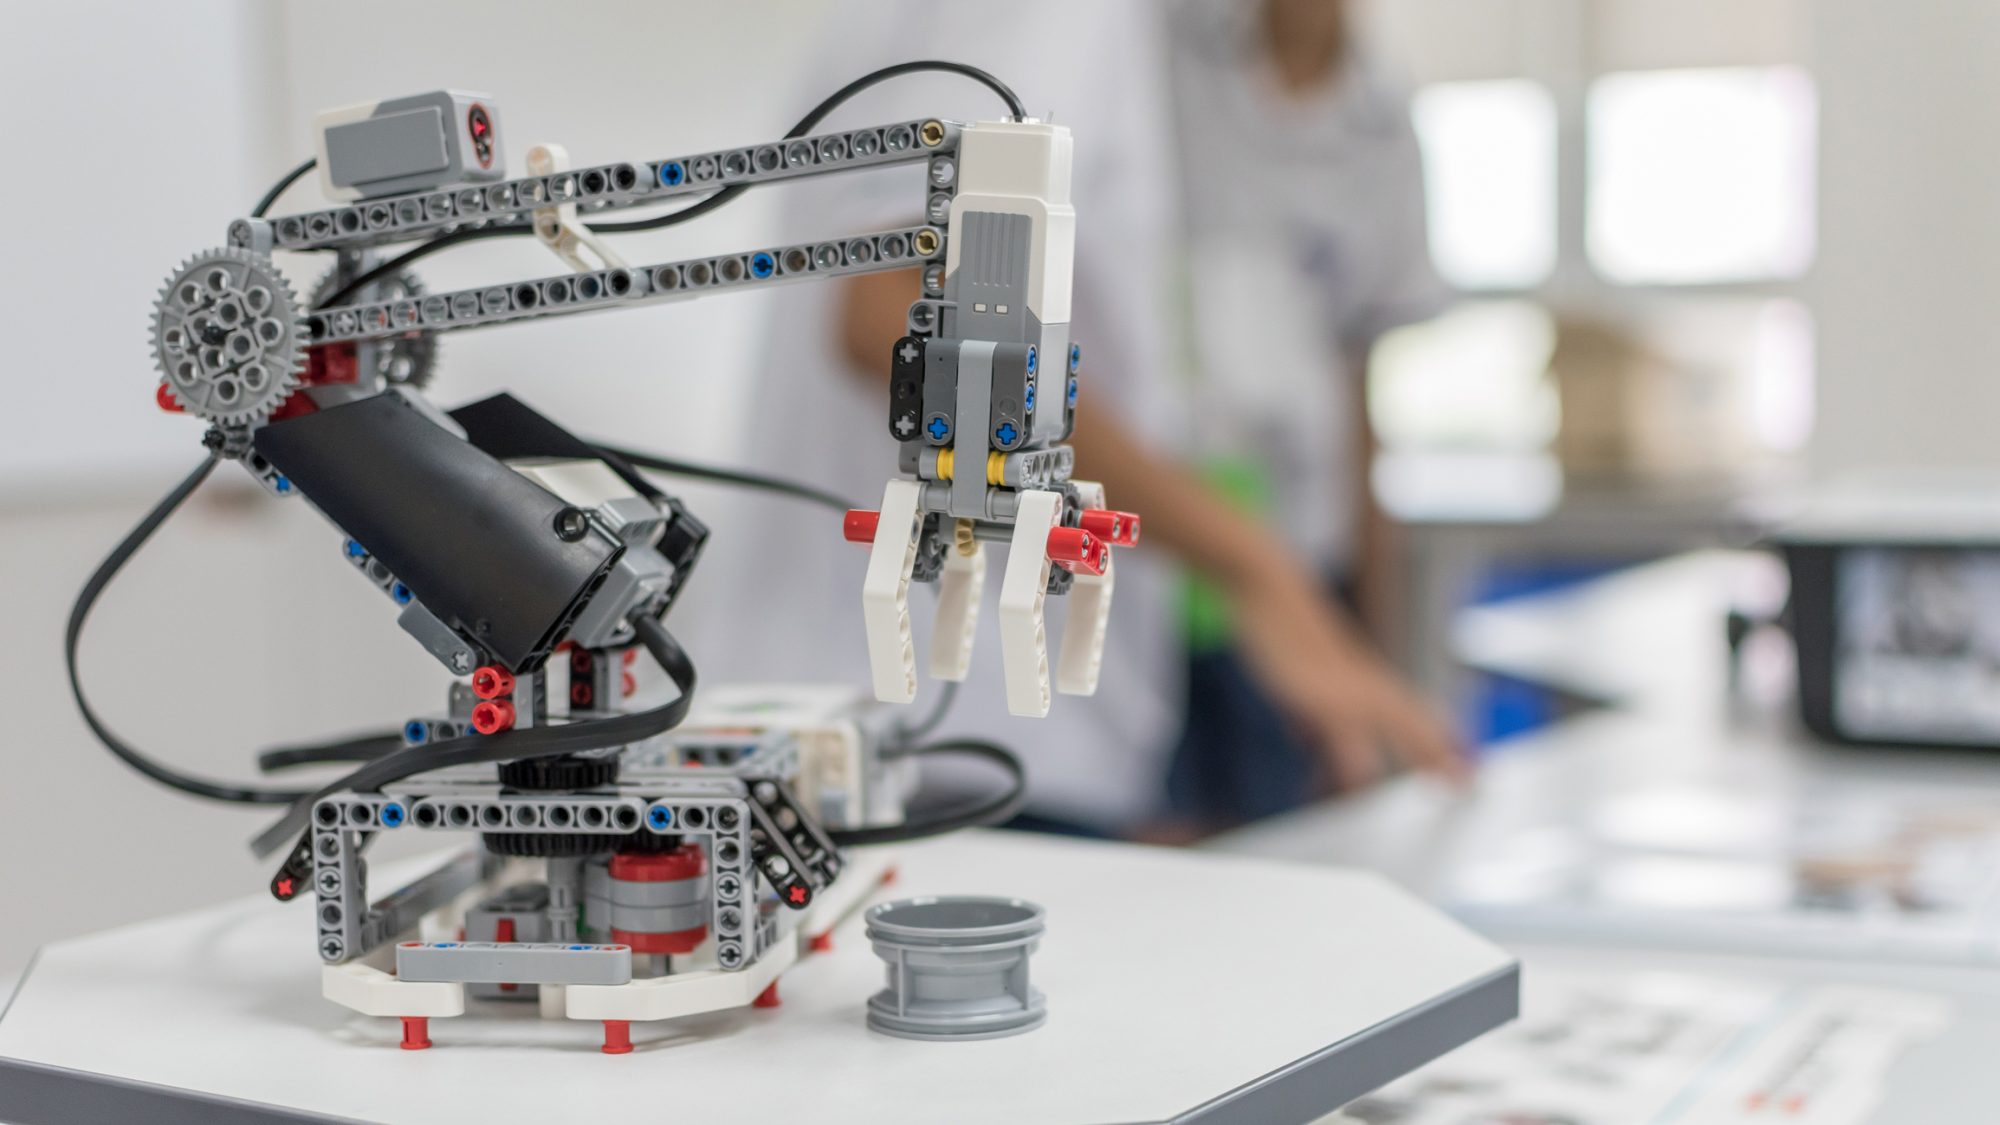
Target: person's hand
x=1353, y=707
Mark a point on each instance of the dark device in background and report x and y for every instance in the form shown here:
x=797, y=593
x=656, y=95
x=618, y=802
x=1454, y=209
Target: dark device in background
x=1897, y=630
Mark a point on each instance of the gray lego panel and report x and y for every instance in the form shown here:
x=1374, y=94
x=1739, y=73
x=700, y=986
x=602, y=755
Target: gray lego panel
x=405, y=144
x=478, y=962
x=622, y=288
x=420, y=214
x=974, y=380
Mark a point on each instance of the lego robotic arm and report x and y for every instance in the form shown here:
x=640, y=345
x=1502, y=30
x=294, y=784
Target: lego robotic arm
x=536, y=565
x=970, y=387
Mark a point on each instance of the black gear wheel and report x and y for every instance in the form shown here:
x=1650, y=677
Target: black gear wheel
x=551, y=845
x=565, y=772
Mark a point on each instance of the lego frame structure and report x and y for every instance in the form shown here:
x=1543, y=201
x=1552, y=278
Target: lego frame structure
x=635, y=863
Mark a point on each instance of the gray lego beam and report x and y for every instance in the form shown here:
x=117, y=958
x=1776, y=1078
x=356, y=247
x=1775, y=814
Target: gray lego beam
x=621, y=288
x=604, y=187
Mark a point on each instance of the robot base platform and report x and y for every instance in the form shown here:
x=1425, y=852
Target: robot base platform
x=1181, y=987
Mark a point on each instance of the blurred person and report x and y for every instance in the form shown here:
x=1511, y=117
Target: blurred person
x=1095, y=765
x=1306, y=241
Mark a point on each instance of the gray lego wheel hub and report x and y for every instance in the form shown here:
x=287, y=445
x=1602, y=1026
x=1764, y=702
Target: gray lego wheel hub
x=957, y=967
x=229, y=337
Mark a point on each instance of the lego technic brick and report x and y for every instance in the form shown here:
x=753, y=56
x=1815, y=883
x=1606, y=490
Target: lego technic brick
x=501, y=560
x=431, y=205
x=1013, y=187
x=940, y=394
x=1011, y=399
x=476, y=962
x=906, y=389
x=409, y=144
x=625, y=287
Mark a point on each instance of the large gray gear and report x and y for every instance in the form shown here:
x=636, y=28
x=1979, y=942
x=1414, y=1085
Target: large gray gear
x=403, y=360
x=229, y=336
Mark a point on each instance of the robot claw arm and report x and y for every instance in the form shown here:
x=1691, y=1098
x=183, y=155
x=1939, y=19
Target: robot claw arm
x=980, y=417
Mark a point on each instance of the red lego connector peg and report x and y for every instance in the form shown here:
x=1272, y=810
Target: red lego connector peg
x=1077, y=549
x=859, y=526
x=1120, y=529
x=493, y=716
x=617, y=1037
x=492, y=682
x=166, y=399
x=416, y=1033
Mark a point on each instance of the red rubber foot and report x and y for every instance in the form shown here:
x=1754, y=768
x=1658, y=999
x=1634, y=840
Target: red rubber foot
x=416, y=1033
x=822, y=943
x=767, y=998
x=617, y=1037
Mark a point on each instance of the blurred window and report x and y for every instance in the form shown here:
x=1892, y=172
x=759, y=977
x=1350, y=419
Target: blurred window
x=1490, y=177
x=1701, y=176
x=1475, y=378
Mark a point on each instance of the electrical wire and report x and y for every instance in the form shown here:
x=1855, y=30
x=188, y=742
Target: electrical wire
x=383, y=764
x=278, y=189
x=909, y=734
x=508, y=746
x=739, y=477
x=979, y=814
x=365, y=748
x=710, y=203
x=80, y=613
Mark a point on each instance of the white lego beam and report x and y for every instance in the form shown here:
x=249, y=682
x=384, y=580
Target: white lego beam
x=885, y=593
x=961, y=588
x=1089, y=615
x=1024, y=640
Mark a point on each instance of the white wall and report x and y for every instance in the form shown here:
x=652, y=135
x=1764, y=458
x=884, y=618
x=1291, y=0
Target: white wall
x=241, y=627
x=132, y=133
x=1908, y=279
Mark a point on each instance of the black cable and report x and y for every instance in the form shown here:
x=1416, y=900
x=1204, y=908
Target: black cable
x=365, y=748
x=811, y=120
x=720, y=475
x=278, y=189
x=370, y=276
x=693, y=211
x=980, y=814
x=947, y=695
x=508, y=746
x=80, y=613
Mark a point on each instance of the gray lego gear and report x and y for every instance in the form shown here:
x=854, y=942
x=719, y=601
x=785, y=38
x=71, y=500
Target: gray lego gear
x=407, y=360
x=229, y=336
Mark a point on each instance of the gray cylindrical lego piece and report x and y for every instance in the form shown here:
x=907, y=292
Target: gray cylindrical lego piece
x=957, y=967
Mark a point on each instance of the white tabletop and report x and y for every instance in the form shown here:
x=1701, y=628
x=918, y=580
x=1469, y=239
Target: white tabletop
x=1180, y=987
x=1679, y=741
